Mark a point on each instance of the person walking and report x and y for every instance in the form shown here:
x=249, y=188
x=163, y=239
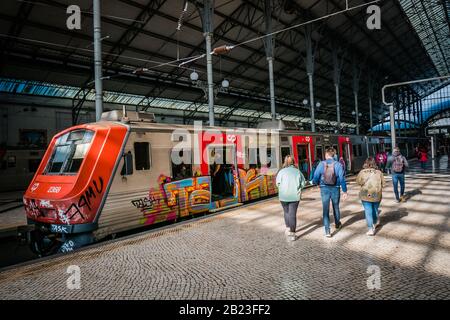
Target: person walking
x=380, y=160
x=330, y=176
x=423, y=158
x=343, y=164
x=397, y=163
x=313, y=169
x=371, y=180
x=290, y=182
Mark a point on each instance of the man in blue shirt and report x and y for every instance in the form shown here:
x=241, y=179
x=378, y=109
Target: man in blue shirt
x=331, y=178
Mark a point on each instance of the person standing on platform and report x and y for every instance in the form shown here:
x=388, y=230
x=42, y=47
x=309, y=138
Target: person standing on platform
x=343, y=164
x=330, y=176
x=381, y=159
x=423, y=158
x=313, y=169
x=290, y=182
x=371, y=180
x=398, y=164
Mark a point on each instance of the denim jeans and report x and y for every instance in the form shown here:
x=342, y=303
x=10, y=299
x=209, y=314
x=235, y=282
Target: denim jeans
x=333, y=194
x=290, y=214
x=396, y=178
x=371, y=212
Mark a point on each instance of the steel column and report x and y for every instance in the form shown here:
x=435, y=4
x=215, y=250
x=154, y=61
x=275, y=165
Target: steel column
x=392, y=121
x=272, y=89
x=98, y=61
x=338, y=107
x=310, y=72
x=207, y=15
x=268, y=43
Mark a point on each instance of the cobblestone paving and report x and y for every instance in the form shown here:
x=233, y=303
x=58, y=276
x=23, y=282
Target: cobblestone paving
x=244, y=254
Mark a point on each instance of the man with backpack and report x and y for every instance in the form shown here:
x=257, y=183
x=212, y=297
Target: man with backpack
x=330, y=176
x=398, y=164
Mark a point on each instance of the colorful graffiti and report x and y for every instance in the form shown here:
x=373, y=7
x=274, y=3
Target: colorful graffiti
x=254, y=185
x=172, y=199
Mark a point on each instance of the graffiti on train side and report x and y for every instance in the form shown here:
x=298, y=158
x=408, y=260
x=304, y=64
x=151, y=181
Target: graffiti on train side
x=172, y=199
x=78, y=210
x=85, y=201
x=254, y=185
x=144, y=203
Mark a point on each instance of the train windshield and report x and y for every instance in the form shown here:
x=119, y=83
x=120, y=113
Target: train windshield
x=69, y=152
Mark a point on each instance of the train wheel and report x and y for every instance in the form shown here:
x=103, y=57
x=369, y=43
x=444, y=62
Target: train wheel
x=43, y=245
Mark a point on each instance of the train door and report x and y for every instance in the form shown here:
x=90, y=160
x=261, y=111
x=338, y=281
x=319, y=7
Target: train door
x=302, y=147
x=345, y=152
x=303, y=156
x=319, y=153
x=222, y=165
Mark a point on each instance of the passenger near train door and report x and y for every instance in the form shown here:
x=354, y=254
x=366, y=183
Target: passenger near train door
x=221, y=165
x=345, y=151
x=302, y=148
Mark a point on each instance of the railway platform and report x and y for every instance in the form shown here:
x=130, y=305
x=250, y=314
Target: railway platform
x=244, y=254
x=11, y=213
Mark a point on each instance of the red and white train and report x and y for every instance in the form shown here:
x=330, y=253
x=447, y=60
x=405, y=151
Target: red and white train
x=98, y=179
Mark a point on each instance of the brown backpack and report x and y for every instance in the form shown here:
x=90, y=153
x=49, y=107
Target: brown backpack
x=329, y=174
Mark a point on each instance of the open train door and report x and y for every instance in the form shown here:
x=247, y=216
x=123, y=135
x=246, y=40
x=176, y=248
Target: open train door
x=345, y=150
x=302, y=147
x=220, y=150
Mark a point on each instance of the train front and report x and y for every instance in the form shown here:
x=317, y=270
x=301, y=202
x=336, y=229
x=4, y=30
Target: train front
x=65, y=197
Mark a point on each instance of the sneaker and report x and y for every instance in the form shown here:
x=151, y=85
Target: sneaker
x=328, y=234
x=371, y=232
x=402, y=199
x=397, y=200
x=338, y=225
x=291, y=236
x=287, y=231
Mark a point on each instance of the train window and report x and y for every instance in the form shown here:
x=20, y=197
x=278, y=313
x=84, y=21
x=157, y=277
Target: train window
x=319, y=152
x=182, y=170
x=253, y=158
x=60, y=155
x=77, y=158
x=357, y=150
x=285, y=151
x=70, y=150
x=142, y=155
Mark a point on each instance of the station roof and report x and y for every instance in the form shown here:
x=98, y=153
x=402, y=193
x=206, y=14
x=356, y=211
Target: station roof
x=37, y=46
x=434, y=108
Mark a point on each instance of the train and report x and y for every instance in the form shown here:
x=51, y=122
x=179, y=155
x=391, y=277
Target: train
x=127, y=171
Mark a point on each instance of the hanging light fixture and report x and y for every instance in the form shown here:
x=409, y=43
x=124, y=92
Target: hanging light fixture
x=194, y=76
x=225, y=83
